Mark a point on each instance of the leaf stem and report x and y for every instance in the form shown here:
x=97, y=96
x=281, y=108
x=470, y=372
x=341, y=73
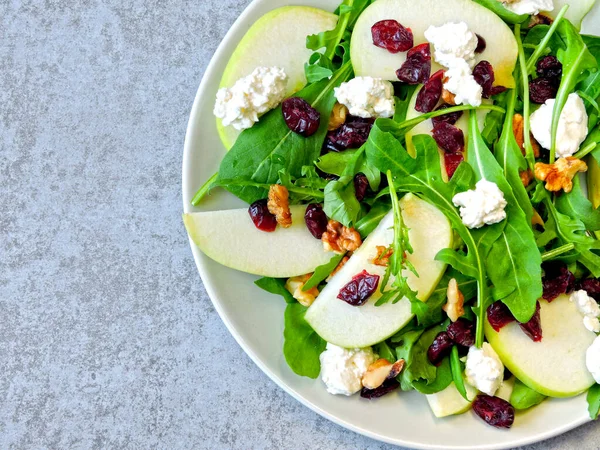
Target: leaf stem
x=544, y=42
x=529, y=156
x=423, y=117
x=585, y=150
x=551, y=254
x=204, y=189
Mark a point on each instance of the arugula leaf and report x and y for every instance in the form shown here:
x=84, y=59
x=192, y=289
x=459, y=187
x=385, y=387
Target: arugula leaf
x=405, y=350
x=539, y=41
x=593, y=399
x=322, y=272
x=457, y=372
x=275, y=286
x=269, y=146
x=369, y=222
x=385, y=351
x=340, y=201
x=302, y=346
x=575, y=204
x=443, y=378
x=547, y=40
x=505, y=14
x=523, y=397
x=335, y=163
x=402, y=100
x=493, y=122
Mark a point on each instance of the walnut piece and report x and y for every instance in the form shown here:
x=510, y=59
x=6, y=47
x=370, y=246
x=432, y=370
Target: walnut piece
x=526, y=177
x=454, y=306
x=295, y=284
x=560, y=174
x=381, y=370
x=447, y=96
x=337, y=117
x=518, y=131
x=279, y=205
x=339, y=238
x=338, y=267
x=539, y=19
x=383, y=256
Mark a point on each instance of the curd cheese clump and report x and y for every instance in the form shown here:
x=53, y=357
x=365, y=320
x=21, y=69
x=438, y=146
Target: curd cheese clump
x=250, y=96
x=367, y=97
x=462, y=84
x=572, y=125
x=481, y=206
x=529, y=6
x=342, y=369
x=592, y=359
x=452, y=42
x=484, y=370
x=589, y=308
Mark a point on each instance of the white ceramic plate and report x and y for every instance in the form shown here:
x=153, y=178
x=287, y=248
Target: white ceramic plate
x=255, y=318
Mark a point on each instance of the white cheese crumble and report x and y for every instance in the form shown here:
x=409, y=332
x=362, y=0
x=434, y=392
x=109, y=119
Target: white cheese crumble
x=367, y=97
x=342, y=369
x=484, y=370
x=461, y=83
x=529, y=6
x=592, y=359
x=241, y=105
x=451, y=42
x=481, y=206
x=589, y=308
x=572, y=125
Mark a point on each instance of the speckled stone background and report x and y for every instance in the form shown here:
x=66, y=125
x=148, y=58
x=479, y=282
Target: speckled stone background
x=107, y=336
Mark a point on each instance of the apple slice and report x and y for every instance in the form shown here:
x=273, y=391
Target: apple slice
x=276, y=39
x=448, y=401
x=230, y=238
x=369, y=60
x=555, y=366
x=360, y=326
x=576, y=12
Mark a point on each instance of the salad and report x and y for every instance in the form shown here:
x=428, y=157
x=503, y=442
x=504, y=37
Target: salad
x=423, y=185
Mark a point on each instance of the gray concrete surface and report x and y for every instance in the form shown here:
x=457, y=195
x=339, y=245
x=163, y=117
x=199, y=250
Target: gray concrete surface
x=107, y=336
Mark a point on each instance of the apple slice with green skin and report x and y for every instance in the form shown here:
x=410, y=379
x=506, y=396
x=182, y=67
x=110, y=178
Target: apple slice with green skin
x=506, y=388
x=369, y=60
x=449, y=402
x=230, y=238
x=576, y=12
x=555, y=366
x=276, y=39
x=360, y=326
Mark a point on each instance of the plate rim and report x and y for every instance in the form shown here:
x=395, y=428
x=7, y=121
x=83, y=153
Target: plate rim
x=200, y=261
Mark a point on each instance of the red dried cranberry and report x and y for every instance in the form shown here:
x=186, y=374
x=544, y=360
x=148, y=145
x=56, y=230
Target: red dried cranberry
x=439, y=348
x=449, y=138
x=361, y=183
x=417, y=67
x=542, y=89
x=592, y=287
x=462, y=332
x=450, y=118
x=357, y=291
x=481, y=44
x=430, y=93
x=260, y=215
x=533, y=328
x=557, y=280
x=549, y=67
x=495, y=90
x=452, y=161
x=315, y=219
x=499, y=315
x=392, y=36
x=483, y=73
x=494, y=411
x=351, y=134
x=388, y=386
x=300, y=117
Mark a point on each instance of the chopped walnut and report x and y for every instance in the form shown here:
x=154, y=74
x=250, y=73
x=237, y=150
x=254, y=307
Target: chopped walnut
x=279, y=205
x=454, y=307
x=381, y=370
x=295, y=284
x=383, y=256
x=337, y=117
x=338, y=267
x=520, y=136
x=447, y=96
x=526, y=177
x=340, y=239
x=560, y=174
x=539, y=19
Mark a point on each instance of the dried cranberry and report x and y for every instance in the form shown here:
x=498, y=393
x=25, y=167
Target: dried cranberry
x=483, y=73
x=300, y=117
x=542, y=89
x=592, y=287
x=387, y=387
x=462, y=332
x=549, y=67
x=450, y=118
x=495, y=90
x=557, y=280
x=481, y=44
x=499, y=315
x=430, y=93
x=439, y=348
x=315, y=219
x=417, y=67
x=352, y=134
x=392, y=36
x=452, y=161
x=260, y=215
x=357, y=291
x=533, y=328
x=361, y=183
x=494, y=411
x=449, y=138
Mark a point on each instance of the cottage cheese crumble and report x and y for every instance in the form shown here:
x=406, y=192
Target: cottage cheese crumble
x=481, y=206
x=529, y=6
x=367, y=97
x=462, y=84
x=484, y=370
x=589, y=308
x=342, y=369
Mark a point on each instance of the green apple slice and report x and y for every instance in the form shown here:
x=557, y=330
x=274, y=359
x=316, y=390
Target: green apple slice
x=576, y=12
x=360, y=326
x=367, y=59
x=276, y=39
x=555, y=366
x=506, y=389
x=230, y=238
x=449, y=402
